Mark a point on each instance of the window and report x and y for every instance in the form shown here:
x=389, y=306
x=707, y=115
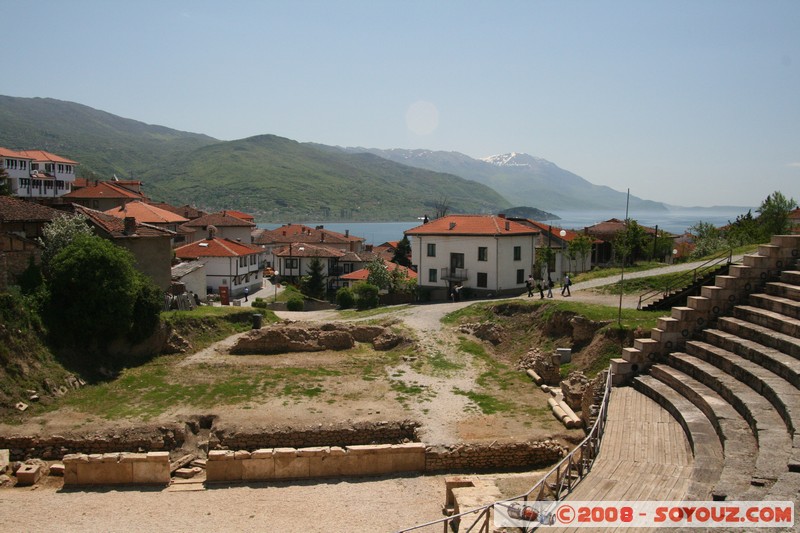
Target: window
x=243, y=261
x=291, y=263
x=483, y=253
x=483, y=280
x=520, y=275
x=432, y=249
x=432, y=275
x=518, y=253
x=253, y=259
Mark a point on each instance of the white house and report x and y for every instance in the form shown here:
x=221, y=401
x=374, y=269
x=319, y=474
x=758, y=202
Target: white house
x=485, y=254
x=228, y=263
x=296, y=235
x=226, y=226
x=37, y=174
x=293, y=261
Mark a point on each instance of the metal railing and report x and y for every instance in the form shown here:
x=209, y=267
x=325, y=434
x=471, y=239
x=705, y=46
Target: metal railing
x=453, y=274
x=688, y=278
x=557, y=483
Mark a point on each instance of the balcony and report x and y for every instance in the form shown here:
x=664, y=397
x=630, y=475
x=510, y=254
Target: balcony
x=454, y=274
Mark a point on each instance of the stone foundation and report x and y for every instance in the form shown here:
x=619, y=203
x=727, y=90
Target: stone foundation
x=151, y=468
x=497, y=457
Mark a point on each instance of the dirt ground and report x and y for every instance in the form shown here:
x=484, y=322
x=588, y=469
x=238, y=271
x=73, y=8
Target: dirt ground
x=362, y=504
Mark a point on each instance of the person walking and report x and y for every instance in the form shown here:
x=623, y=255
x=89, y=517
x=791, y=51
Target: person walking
x=529, y=285
x=246, y=292
x=565, y=287
x=549, y=287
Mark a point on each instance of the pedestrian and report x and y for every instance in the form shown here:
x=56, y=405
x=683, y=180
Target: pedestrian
x=565, y=287
x=540, y=286
x=246, y=292
x=529, y=285
x=549, y=286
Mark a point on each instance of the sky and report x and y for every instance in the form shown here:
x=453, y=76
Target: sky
x=688, y=102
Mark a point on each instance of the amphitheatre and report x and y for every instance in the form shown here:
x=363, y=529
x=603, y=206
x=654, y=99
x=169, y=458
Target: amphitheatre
x=705, y=407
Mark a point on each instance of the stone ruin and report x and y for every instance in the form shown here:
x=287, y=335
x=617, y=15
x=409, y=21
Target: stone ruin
x=547, y=366
x=485, y=331
x=293, y=337
x=573, y=389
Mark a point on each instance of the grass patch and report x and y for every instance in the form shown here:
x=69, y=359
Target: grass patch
x=353, y=313
x=487, y=403
x=598, y=273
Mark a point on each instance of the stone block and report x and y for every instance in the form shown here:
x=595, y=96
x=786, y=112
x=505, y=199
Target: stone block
x=288, y=465
x=371, y=459
x=57, y=469
x=258, y=469
x=70, y=474
x=240, y=455
x=5, y=460
x=28, y=474
x=105, y=473
x=220, y=455
x=263, y=453
x=152, y=472
x=408, y=457
x=224, y=470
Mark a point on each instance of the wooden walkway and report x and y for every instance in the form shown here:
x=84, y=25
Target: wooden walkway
x=644, y=455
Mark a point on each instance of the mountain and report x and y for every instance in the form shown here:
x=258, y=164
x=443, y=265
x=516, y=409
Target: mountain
x=521, y=179
x=276, y=179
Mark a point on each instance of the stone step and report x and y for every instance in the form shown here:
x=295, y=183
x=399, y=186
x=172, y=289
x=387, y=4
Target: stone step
x=782, y=289
x=739, y=444
x=768, y=319
x=783, y=396
x=777, y=304
x=762, y=335
x=776, y=361
x=791, y=276
x=756, y=261
x=774, y=442
x=707, y=449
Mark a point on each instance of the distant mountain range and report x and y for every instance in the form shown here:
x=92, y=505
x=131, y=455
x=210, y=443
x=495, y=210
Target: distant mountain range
x=281, y=180
x=521, y=178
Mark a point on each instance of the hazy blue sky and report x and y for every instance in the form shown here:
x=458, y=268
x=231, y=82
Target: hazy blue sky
x=688, y=102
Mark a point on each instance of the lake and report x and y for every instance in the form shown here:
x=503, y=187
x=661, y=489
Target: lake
x=674, y=221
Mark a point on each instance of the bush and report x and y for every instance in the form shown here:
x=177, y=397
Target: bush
x=295, y=304
x=345, y=298
x=366, y=296
x=260, y=303
x=146, y=310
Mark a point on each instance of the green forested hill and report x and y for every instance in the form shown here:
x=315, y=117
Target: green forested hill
x=276, y=179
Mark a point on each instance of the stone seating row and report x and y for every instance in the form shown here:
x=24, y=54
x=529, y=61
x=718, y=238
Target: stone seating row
x=742, y=375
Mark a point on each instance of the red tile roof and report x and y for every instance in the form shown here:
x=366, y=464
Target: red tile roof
x=186, y=211
x=104, y=189
x=608, y=228
x=16, y=210
x=115, y=226
x=309, y=250
x=41, y=155
x=240, y=214
x=301, y=233
x=146, y=213
x=363, y=274
x=215, y=247
x=221, y=219
x=5, y=152
x=472, y=225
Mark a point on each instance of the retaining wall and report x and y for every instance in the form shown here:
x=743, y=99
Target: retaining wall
x=150, y=468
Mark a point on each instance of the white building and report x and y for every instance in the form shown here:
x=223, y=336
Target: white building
x=230, y=264
x=484, y=254
x=37, y=174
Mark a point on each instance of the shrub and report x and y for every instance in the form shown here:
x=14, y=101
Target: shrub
x=345, y=298
x=260, y=303
x=295, y=304
x=366, y=296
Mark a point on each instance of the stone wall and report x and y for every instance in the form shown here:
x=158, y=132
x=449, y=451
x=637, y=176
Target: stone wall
x=394, y=432
x=315, y=462
x=117, y=469
x=57, y=446
x=495, y=456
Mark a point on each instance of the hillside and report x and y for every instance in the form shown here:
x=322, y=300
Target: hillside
x=520, y=178
x=276, y=179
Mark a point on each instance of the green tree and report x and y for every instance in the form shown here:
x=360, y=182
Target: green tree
x=313, y=284
x=366, y=295
x=345, y=298
x=59, y=234
x=379, y=274
x=707, y=239
x=744, y=230
x=93, y=294
x=5, y=183
x=773, y=214
x=543, y=262
x=631, y=243
x=579, y=248
x=402, y=253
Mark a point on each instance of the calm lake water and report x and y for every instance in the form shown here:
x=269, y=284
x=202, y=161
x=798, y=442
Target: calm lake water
x=674, y=221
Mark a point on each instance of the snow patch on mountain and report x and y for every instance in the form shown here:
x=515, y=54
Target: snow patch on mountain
x=515, y=159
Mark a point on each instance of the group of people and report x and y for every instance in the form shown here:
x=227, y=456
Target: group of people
x=547, y=284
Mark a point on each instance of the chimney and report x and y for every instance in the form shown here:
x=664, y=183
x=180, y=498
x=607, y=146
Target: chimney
x=130, y=226
x=502, y=215
x=508, y=225
x=452, y=225
x=212, y=232
x=347, y=233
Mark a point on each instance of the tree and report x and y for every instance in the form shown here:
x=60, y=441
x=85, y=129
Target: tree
x=379, y=274
x=542, y=262
x=59, y=234
x=96, y=295
x=631, y=243
x=5, y=183
x=313, y=284
x=580, y=247
x=402, y=253
x=366, y=295
x=707, y=239
x=773, y=214
x=441, y=206
x=744, y=230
